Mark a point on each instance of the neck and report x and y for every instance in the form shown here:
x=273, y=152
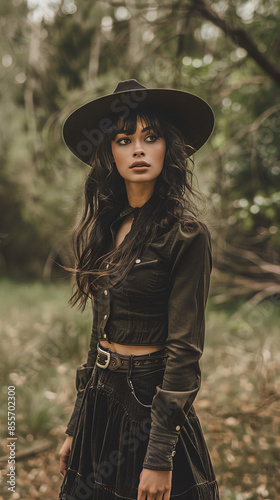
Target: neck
x=138, y=198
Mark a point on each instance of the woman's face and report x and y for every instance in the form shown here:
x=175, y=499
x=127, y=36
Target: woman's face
x=139, y=157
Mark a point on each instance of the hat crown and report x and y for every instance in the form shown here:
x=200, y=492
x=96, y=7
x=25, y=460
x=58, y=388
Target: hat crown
x=128, y=85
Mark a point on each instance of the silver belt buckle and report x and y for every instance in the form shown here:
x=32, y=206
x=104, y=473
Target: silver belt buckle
x=106, y=353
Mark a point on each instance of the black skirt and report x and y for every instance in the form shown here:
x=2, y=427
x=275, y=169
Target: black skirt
x=111, y=438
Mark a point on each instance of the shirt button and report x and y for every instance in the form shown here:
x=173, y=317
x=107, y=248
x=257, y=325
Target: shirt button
x=178, y=427
x=105, y=292
x=138, y=261
x=105, y=316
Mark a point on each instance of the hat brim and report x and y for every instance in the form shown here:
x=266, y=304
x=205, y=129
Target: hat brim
x=84, y=129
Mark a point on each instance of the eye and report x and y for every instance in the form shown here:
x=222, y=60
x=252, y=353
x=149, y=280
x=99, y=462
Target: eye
x=123, y=141
x=151, y=138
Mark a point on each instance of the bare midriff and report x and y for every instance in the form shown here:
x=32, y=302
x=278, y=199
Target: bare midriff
x=138, y=350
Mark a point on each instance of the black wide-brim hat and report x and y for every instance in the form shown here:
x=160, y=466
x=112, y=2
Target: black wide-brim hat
x=84, y=129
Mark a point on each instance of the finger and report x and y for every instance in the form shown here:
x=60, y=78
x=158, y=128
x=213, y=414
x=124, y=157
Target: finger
x=141, y=495
x=166, y=495
x=63, y=466
x=62, y=471
x=160, y=496
x=153, y=496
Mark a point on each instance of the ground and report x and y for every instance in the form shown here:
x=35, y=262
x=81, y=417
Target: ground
x=238, y=405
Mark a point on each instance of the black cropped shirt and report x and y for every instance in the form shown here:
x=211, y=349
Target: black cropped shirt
x=161, y=302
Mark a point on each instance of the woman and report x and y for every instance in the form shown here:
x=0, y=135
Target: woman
x=144, y=259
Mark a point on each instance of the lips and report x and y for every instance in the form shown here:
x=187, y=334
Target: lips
x=139, y=164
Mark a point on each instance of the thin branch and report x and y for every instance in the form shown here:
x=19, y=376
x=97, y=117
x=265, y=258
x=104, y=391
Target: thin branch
x=239, y=37
x=241, y=133
x=252, y=257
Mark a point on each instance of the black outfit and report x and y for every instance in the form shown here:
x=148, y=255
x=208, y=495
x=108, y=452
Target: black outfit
x=162, y=302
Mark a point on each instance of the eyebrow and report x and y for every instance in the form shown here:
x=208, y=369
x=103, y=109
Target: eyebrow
x=122, y=131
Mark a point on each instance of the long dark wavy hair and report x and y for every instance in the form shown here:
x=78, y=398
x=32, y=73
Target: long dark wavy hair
x=97, y=267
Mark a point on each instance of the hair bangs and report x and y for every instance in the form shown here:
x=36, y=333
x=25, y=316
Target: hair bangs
x=128, y=125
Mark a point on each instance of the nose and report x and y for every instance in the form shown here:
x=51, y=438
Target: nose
x=138, y=151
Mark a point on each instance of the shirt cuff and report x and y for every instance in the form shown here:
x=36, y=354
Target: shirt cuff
x=83, y=375
x=160, y=450
x=168, y=413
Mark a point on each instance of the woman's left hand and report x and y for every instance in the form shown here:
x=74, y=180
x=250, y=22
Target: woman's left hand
x=154, y=485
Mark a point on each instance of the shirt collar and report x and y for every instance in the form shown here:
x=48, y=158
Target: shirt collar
x=127, y=210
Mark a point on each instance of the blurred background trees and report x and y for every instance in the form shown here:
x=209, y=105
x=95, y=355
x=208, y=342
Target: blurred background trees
x=58, y=54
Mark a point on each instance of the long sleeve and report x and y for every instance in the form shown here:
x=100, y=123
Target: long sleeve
x=191, y=263
x=84, y=373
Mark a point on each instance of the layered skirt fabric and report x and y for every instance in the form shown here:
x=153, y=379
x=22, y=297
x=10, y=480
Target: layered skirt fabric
x=111, y=438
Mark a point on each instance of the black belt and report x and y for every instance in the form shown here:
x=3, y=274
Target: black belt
x=114, y=361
